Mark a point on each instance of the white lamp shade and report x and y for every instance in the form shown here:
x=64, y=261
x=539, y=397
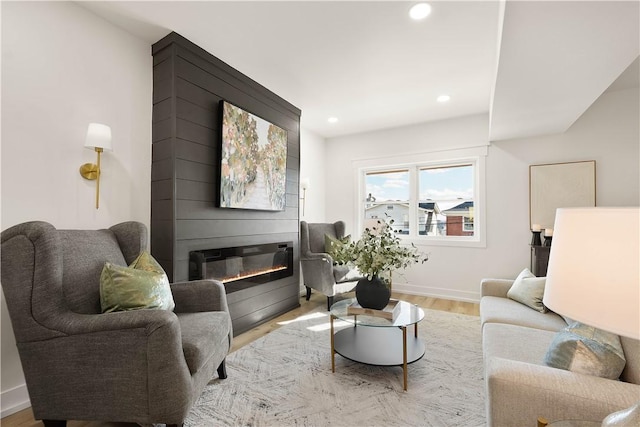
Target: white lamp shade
x=98, y=136
x=594, y=277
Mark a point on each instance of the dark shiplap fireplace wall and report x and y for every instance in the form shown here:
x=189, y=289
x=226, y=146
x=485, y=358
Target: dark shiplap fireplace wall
x=188, y=84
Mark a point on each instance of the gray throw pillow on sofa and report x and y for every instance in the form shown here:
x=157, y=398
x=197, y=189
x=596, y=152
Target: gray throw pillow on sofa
x=586, y=350
x=528, y=289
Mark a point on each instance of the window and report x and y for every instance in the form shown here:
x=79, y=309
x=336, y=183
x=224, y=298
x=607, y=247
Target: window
x=435, y=201
x=388, y=197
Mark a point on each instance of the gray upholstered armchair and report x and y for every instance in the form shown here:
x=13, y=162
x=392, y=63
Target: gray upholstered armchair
x=143, y=366
x=318, y=269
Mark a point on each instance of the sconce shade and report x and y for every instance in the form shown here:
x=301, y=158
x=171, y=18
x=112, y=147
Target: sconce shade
x=98, y=136
x=593, y=277
x=304, y=183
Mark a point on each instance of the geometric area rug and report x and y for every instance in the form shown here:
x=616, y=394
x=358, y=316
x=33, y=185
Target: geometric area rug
x=285, y=379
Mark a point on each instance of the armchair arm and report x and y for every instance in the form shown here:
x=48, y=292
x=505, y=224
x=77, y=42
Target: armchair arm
x=317, y=272
x=199, y=295
x=495, y=287
x=97, y=361
x=71, y=323
x=518, y=393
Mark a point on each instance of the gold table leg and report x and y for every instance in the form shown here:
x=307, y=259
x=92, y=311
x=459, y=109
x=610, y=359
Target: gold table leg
x=404, y=355
x=333, y=350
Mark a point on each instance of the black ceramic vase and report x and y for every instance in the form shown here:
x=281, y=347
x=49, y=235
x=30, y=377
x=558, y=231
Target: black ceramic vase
x=372, y=293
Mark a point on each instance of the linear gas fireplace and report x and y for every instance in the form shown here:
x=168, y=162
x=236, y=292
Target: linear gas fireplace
x=242, y=267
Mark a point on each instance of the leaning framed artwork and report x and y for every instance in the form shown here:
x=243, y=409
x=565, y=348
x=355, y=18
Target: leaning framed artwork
x=253, y=161
x=560, y=185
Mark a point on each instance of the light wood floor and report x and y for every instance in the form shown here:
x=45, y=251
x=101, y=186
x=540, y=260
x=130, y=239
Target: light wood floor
x=24, y=418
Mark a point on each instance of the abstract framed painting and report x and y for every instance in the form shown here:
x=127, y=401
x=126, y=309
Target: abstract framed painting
x=253, y=161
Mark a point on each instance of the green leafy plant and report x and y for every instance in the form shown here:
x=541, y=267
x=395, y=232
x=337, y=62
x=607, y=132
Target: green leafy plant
x=379, y=251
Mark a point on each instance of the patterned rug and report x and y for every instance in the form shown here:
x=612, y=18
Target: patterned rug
x=285, y=379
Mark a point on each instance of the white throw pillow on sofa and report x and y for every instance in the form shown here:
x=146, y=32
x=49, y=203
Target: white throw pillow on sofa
x=528, y=289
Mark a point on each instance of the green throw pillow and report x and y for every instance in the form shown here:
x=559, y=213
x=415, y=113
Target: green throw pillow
x=528, y=289
x=143, y=284
x=331, y=245
x=586, y=350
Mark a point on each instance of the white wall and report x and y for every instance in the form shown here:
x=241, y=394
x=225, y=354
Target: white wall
x=313, y=168
x=63, y=67
x=607, y=132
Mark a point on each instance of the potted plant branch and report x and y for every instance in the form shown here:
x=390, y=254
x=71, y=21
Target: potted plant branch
x=376, y=255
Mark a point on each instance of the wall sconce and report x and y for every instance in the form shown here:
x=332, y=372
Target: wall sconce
x=98, y=138
x=304, y=185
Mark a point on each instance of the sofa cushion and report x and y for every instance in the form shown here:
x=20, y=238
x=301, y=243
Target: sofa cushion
x=631, y=348
x=586, y=350
x=197, y=329
x=513, y=342
x=504, y=310
x=528, y=289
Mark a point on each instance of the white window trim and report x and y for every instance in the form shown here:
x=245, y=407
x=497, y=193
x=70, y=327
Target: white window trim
x=465, y=224
x=475, y=155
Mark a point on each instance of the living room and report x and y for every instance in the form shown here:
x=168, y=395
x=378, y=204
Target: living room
x=55, y=82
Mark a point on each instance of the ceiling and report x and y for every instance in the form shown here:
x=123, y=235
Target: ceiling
x=533, y=66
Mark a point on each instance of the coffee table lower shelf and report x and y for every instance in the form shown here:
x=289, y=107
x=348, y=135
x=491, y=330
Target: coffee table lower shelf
x=378, y=346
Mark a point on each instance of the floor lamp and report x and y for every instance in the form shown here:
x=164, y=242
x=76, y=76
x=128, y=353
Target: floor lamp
x=595, y=278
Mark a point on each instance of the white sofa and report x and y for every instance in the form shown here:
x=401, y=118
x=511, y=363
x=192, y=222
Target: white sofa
x=520, y=388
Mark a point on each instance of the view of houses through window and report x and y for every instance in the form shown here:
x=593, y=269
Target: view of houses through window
x=423, y=200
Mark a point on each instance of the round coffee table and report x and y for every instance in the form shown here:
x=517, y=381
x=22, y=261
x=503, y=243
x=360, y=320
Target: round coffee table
x=376, y=340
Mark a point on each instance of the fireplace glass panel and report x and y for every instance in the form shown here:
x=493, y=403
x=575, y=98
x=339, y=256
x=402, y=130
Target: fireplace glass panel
x=243, y=266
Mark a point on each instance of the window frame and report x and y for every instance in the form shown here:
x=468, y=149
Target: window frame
x=474, y=156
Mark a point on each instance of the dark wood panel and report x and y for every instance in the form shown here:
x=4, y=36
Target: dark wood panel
x=162, y=190
x=259, y=298
x=188, y=86
x=161, y=169
x=183, y=247
x=195, y=152
x=162, y=90
x=163, y=71
x=193, y=132
x=161, y=150
x=258, y=317
x=162, y=210
x=197, y=95
x=258, y=106
x=194, y=209
x=162, y=130
x=194, y=171
x=292, y=199
x=198, y=229
x=192, y=190
x=162, y=110
x=190, y=112
x=162, y=55
x=211, y=65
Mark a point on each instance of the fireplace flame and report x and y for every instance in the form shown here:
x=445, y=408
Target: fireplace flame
x=252, y=273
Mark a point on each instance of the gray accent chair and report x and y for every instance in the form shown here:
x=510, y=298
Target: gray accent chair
x=318, y=269
x=141, y=366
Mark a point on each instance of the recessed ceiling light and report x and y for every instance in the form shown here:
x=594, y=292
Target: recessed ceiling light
x=332, y=120
x=443, y=98
x=420, y=11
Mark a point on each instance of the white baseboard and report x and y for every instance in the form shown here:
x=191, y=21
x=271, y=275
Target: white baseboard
x=444, y=293
x=14, y=400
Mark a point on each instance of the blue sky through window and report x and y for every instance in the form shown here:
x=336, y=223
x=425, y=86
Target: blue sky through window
x=448, y=186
